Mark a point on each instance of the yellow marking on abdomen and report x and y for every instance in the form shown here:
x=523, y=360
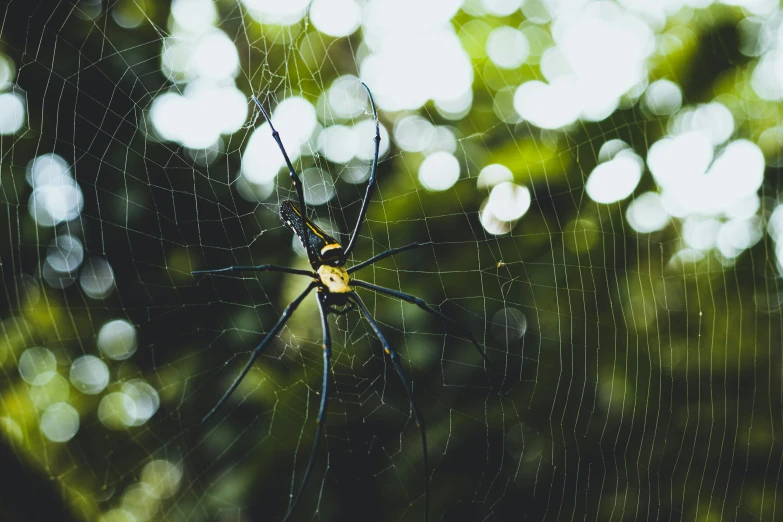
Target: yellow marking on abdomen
x=329, y=247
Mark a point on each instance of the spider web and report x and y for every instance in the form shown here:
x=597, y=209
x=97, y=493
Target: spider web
x=597, y=182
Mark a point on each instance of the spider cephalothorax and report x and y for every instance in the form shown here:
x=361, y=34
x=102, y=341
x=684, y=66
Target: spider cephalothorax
x=335, y=288
x=335, y=279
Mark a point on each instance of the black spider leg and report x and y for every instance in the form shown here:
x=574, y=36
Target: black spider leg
x=427, y=308
x=396, y=361
x=294, y=179
x=289, y=310
x=384, y=255
x=259, y=268
x=370, y=183
x=327, y=348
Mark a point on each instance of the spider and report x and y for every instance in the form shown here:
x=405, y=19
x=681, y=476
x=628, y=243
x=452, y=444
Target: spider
x=335, y=288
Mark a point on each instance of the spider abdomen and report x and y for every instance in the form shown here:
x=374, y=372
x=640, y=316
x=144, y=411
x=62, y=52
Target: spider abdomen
x=321, y=247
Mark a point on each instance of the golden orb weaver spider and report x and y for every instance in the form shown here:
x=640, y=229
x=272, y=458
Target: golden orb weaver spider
x=335, y=288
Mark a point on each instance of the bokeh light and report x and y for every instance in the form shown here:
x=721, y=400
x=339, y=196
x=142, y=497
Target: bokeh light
x=364, y=132
x=336, y=18
x=767, y=42
x=194, y=16
x=97, y=278
x=508, y=324
x=47, y=169
x=443, y=141
x=412, y=40
x=663, y=97
x=65, y=254
x=413, y=133
x=455, y=108
x=7, y=71
x=346, y=96
x=501, y=7
x=89, y=374
x=439, y=171
x=646, y=214
x=204, y=58
x=508, y=202
x=615, y=179
x=276, y=12
x=507, y=47
x=610, y=149
x=56, y=196
x=162, y=476
x=60, y=422
x=318, y=186
x=134, y=405
x=117, y=339
x=491, y=223
x=140, y=501
x=338, y=143
x=37, y=365
x=295, y=120
x=209, y=55
x=253, y=192
x=215, y=57
x=355, y=173
x=693, y=183
x=52, y=204
x=127, y=15
x=197, y=118
x=712, y=120
x=492, y=175
x=699, y=232
x=12, y=112
x=55, y=278
x=116, y=411
x=737, y=235
x=144, y=399
x=548, y=106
